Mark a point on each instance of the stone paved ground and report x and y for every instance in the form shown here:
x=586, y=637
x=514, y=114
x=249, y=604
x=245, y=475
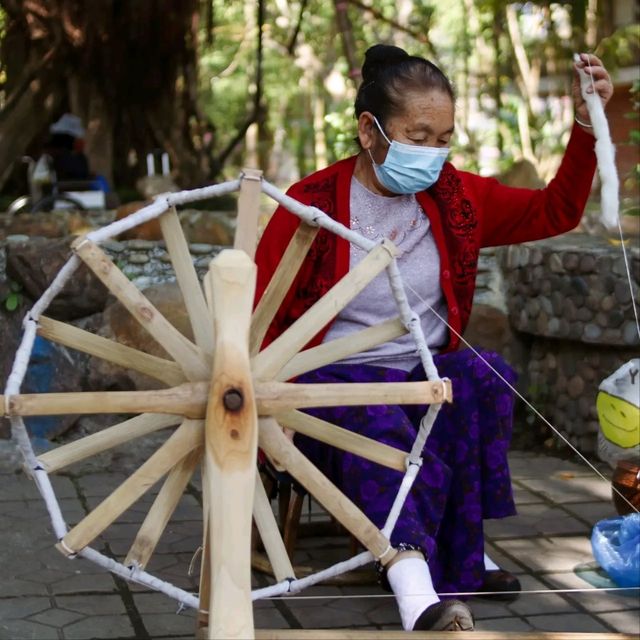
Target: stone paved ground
x=45, y=596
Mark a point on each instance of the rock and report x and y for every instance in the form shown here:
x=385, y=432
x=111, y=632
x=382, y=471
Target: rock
x=52, y=369
x=570, y=261
x=34, y=265
x=37, y=225
x=116, y=323
x=575, y=387
x=587, y=263
x=630, y=333
x=555, y=263
x=149, y=230
x=607, y=303
x=489, y=328
x=208, y=227
x=622, y=292
x=592, y=332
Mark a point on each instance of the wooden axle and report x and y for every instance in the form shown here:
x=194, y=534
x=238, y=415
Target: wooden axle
x=190, y=399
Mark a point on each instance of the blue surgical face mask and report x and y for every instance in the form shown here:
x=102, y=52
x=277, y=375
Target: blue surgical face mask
x=409, y=168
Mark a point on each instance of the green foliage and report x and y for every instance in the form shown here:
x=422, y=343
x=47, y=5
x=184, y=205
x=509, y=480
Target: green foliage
x=14, y=298
x=469, y=39
x=632, y=181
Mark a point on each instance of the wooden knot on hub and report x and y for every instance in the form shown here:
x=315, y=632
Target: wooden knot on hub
x=233, y=400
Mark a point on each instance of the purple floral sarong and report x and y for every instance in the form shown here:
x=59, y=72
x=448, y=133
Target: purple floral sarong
x=465, y=474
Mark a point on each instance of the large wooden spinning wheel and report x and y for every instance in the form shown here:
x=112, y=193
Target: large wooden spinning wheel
x=219, y=399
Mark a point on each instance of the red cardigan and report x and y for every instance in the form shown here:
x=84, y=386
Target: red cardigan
x=466, y=212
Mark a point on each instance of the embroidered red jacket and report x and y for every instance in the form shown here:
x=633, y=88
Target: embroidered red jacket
x=466, y=212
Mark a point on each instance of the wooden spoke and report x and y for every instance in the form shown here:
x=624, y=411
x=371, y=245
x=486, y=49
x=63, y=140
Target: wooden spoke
x=278, y=446
x=231, y=447
x=268, y=362
x=161, y=369
x=344, y=439
x=270, y=534
x=188, y=399
x=280, y=282
x=248, y=211
x=205, y=590
x=105, y=439
x=274, y=397
x=184, y=439
x=338, y=349
x=187, y=278
x=163, y=506
x=183, y=351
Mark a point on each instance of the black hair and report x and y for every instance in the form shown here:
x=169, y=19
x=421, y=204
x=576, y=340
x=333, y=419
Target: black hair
x=388, y=74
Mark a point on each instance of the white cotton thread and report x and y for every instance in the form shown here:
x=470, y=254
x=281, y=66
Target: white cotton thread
x=311, y=215
x=529, y=405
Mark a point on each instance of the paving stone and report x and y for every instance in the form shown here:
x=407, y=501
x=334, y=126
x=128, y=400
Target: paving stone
x=501, y=559
x=535, y=520
x=26, y=630
x=504, y=624
x=526, y=544
x=561, y=553
x=63, y=487
x=269, y=618
x=592, y=512
x=80, y=582
x=569, y=622
x=11, y=586
x=486, y=608
x=91, y=604
x=100, y=628
x=312, y=614
x=535, y=603
x=17, y=487
x=13, y=608
x=56, y=617
x=385, y=613
x=591, y=597
x=155, y=602
x=571, y=489
x=623, y=621
x=100, y=484
x=522, y=495
x=534, y=466
x=169, y=624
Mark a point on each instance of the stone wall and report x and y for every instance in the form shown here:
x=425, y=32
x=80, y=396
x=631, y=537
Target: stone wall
x=569, y=299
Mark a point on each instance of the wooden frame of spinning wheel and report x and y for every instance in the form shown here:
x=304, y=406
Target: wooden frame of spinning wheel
x=228, y=398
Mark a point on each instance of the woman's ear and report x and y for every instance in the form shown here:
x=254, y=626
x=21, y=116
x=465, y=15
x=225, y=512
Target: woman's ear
x=366, y=127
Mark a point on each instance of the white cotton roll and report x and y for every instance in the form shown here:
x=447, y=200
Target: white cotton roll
x=605, y=153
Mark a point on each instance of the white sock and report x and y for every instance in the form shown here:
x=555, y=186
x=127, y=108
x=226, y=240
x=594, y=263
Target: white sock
x=489, y=564
x=410, y=581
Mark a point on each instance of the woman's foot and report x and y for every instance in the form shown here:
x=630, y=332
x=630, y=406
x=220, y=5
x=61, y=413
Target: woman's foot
x=447, y=615
x=500, y=585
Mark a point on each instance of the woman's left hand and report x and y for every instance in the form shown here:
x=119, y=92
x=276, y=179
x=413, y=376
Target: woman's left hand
x=592, y=65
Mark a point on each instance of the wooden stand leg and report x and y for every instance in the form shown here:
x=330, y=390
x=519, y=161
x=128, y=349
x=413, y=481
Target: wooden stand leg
x=231, y=449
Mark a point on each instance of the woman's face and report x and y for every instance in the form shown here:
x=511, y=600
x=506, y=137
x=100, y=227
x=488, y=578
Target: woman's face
x=427, y=120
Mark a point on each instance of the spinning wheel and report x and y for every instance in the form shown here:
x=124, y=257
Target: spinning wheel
x=219, y=398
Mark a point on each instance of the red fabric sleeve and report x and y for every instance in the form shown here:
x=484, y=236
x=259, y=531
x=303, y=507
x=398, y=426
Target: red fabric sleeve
x=510, y=215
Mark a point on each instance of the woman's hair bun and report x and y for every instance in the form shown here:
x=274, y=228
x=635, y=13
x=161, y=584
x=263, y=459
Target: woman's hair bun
x=380, y=56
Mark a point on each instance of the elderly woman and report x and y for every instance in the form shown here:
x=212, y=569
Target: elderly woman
x=400, y=186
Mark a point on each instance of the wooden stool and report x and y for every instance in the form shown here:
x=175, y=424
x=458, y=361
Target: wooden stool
x=291, y=498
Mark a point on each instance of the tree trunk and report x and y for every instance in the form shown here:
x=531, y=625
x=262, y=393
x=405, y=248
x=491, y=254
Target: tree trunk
x=348, y=41
x=128, y=70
